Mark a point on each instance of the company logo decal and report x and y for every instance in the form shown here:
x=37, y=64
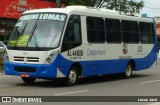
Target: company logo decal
x=125, y=49
x=16, y=8
x=140, y=48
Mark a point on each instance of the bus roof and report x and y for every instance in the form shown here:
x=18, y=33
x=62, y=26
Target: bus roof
x=90, y=11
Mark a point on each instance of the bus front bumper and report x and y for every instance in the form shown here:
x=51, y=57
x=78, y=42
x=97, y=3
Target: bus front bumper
x=31, y=70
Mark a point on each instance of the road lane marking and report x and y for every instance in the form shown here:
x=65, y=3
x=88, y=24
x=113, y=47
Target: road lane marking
x=154, y=103
x=150, y=81
x=1, y=86
x=70, y=92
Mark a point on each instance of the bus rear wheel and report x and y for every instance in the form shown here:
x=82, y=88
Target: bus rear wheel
x=128, y=71
x=72, y=77
x=28, y=80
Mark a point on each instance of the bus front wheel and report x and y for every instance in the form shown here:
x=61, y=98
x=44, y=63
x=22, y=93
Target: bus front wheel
x=128, y=71
x=72, y=77
x=28, y=80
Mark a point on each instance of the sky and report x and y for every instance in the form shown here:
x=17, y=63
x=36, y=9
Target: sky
x=151, y=7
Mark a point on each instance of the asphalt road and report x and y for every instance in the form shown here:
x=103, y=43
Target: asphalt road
x=143, y=83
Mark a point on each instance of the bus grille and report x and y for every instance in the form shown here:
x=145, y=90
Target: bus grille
x=25, y=69
x=26, y=59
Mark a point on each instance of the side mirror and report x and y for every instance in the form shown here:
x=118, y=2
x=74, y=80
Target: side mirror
x=2, y=47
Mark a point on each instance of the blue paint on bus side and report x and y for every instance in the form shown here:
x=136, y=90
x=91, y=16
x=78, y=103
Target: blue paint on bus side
x=88, y=67
x=110, y=66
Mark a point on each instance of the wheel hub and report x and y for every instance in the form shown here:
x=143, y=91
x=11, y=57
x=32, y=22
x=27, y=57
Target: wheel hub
x=72, y=76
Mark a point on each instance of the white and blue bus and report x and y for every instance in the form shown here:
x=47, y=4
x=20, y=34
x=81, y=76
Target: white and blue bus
x=78, y=41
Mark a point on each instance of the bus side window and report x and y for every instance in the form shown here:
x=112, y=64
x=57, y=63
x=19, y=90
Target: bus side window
x=144, y=38
x=77, y=32
x=72, y=36
x=113, y=30
x=69, y=34
x=146, y=33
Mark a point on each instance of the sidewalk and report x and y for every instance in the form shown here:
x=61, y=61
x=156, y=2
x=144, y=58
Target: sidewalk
x=1, y=71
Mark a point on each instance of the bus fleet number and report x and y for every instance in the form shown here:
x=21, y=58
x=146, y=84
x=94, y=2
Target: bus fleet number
x=75, y=53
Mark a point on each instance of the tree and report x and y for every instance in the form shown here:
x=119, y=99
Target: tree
x=58, y=3
x=128, y=7
x=91, y=3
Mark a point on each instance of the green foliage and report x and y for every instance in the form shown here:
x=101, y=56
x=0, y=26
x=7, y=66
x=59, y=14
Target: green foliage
x=128, y=7
x=80, y=2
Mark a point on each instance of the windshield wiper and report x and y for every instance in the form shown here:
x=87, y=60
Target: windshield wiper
x=36, y=41
x=34, y=36
x=32, y=32
x=20, y=32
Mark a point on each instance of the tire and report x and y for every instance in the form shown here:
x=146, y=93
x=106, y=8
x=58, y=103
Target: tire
x=28, y=80
x=128, y=71
x=72, y=77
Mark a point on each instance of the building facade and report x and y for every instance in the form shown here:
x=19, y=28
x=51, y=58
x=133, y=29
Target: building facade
x=10, y=11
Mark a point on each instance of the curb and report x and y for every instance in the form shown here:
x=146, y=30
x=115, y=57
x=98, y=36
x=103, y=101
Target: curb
x=1, y=73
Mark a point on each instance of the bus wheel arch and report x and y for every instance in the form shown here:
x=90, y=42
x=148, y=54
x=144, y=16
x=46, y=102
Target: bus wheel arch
x=129, y=69
x=79, y=68
x=133, y=64
x=73, y=74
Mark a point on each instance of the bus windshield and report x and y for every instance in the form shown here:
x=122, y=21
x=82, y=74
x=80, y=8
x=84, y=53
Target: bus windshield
x=40, y=30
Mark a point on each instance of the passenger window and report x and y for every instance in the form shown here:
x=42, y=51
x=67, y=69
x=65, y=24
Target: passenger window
x=95, y=30
x=130, y=31
x=146, y=33
x=113, y=31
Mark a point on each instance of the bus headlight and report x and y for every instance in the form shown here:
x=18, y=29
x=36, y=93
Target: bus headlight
x=51, y=57
x=49, y=60
x=6, y=58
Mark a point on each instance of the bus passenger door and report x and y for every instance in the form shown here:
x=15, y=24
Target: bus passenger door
x=72, y=39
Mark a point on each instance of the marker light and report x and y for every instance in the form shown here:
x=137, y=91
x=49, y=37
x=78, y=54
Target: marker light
x=6, y=58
